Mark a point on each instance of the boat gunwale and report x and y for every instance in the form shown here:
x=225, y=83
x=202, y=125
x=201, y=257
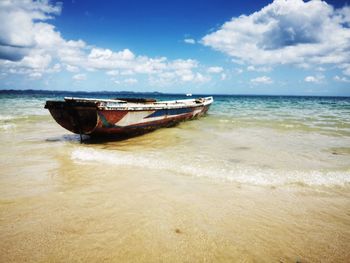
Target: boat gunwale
x=161, y=105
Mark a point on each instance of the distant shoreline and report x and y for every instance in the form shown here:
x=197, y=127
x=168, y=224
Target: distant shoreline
x=154, y=93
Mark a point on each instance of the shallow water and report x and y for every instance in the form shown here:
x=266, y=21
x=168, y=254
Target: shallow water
x=260, y=179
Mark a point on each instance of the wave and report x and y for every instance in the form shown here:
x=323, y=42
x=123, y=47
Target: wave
x=235, y=173
x=6, y=117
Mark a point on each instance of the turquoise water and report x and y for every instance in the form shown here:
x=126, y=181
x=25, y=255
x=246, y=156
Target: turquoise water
x=329, y=115
x=314, y=114
x=264, y=140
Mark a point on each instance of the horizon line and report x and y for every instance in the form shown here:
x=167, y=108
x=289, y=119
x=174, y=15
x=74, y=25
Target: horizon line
x=169, y=93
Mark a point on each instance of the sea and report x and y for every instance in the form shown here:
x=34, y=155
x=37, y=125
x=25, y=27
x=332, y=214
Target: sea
x=258, y=179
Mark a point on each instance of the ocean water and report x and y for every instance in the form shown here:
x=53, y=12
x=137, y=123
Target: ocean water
x=259, y=179
x=266, y=140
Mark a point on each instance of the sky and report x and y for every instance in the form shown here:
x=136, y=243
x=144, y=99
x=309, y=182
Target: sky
x=281, y=47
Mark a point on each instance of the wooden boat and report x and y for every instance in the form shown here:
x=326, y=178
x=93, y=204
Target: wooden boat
x=126, y=116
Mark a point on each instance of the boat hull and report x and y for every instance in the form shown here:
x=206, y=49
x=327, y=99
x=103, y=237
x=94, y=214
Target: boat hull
x=90, y=119
x=135, y=122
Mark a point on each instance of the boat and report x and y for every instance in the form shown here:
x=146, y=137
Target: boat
x=188, y=94
x=123, y=116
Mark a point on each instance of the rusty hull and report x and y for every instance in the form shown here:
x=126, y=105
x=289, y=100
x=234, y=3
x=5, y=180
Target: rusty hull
x=116, y=117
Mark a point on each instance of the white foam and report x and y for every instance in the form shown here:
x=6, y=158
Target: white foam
x=115, y=158
x=7, y=126
x=224, y=121
x=6, y=117
x=235, y=173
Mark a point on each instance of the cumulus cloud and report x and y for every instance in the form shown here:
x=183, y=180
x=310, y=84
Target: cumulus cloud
x=215, y=70
x=200, y=78
x=183, y=69
x=189, y=41
x=30, y=45
x=179, y=71
x=99, y=58
x=17, y=38
x=314, y=79
x=262, y=80
x=48, y=48
x=287, y=32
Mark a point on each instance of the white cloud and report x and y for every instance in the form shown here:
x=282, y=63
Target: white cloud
x=181, y=64
x=314, y=79
x=341, y=79
x=320, y=69
x=310, y=79
x=31, y=46
x=190, y=41
x=49, y=48
x=178, y=71
x=79, y=77
x=223, y=76
x=35, y=75
x=181, y=69
x=187, y=77
x=262, y=80
x=36, y=61
x=107, y=59
x=17, y=27
x=146, y=65
x=215, y=70
x=200, y=78
x=163, y=79
x=72, y=68
x=287, y=32
x=113, y=73
x=259, y=69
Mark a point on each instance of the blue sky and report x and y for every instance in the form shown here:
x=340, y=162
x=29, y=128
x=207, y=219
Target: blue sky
x=286, y=47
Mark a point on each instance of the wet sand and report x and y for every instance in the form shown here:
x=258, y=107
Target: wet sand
x=140, y=216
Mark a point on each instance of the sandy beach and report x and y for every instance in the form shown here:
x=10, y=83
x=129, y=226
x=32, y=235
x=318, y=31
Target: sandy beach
x=217, y=189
